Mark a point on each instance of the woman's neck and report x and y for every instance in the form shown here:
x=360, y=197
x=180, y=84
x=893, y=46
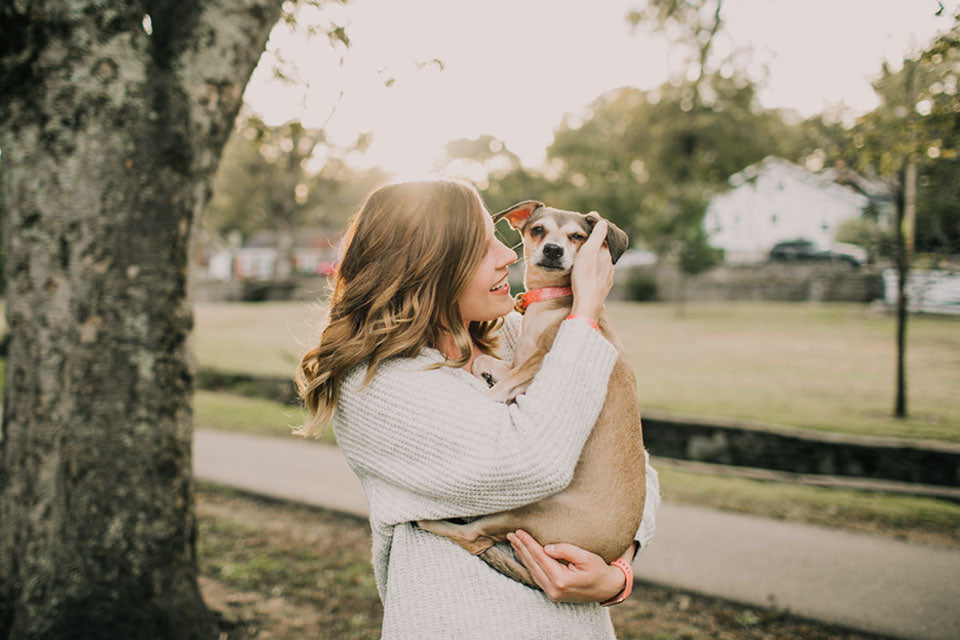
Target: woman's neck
x=449, y=348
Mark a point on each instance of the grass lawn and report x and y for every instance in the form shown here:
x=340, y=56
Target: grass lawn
x=231, y=412
x=817, y=366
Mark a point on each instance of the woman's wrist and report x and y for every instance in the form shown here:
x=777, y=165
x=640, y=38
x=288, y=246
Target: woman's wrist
x=585, y=310
x=625, y=571
x=584, y=318
x=616, y=582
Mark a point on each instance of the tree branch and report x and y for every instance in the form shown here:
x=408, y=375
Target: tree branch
x=226, y=42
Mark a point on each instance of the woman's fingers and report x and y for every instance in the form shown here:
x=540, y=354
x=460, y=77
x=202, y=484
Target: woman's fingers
x=567, y=552
x=585, y=577
x=525, y=552
x=597, y=235
x=592, y=275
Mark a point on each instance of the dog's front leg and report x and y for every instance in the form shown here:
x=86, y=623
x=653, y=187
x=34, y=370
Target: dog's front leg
x=516, y=380
x=465, y=535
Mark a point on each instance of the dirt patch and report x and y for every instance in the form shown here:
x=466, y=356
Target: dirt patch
x=276, y=571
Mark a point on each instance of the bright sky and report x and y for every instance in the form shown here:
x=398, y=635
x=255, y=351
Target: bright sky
x=513, y=68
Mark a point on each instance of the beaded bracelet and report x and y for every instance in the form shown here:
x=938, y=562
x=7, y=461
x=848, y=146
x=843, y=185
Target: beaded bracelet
x=624, y=566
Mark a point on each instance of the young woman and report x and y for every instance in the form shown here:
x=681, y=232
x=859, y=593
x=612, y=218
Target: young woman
x=419, y=293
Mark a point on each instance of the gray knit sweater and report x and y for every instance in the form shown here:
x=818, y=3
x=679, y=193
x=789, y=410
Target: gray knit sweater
x=428, y=444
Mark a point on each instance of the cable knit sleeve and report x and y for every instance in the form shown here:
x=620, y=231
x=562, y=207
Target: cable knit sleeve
x=429, y=443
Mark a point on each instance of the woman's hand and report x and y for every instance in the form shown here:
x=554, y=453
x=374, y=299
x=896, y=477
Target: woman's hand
x=585, y=578
x=592, y=275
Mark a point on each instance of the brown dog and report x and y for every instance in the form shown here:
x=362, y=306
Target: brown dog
x=601, y=508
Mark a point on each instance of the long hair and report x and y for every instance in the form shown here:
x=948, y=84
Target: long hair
x=407, y=256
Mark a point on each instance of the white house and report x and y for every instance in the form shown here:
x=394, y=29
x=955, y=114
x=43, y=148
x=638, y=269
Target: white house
x=773, y=201
x=315, y=251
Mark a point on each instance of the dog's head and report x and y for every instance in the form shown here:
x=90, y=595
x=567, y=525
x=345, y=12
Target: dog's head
x=552, y=238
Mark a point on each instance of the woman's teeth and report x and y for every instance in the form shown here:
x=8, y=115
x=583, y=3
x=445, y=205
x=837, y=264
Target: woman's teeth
x=503, y=284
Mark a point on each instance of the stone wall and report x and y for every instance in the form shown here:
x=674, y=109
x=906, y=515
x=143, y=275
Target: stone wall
x=768, y=281
x=801, y=451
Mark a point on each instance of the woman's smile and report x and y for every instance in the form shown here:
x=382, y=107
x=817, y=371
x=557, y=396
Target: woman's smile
x=501, y=287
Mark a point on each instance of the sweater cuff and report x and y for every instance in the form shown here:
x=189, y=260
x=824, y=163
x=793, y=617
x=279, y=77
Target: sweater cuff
x=583, y=339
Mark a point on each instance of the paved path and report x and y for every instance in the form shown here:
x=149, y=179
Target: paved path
x=861, y=581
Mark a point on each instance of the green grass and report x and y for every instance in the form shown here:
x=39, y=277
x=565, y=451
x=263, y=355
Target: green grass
x=253, y=337
x=818, y=366
x=230, y=412
x=914, y=518
x=825, y=367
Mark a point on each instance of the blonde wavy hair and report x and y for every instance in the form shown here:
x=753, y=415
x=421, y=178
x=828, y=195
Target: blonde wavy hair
x=407, y=256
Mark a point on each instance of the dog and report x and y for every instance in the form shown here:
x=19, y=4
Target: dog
x=600, y=510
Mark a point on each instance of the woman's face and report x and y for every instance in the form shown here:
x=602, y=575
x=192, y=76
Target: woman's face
x=487, y=295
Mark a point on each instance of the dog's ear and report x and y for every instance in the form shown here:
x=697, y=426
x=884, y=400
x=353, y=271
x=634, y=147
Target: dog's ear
x=518, y=213
x=617, y=240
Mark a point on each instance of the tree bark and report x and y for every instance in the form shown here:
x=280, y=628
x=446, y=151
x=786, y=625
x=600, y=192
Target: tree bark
x=110, y=128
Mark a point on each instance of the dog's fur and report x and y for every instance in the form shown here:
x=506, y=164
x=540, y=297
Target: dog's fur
x=600, y=510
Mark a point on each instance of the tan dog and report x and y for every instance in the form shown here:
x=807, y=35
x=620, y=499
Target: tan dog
x=601, y=508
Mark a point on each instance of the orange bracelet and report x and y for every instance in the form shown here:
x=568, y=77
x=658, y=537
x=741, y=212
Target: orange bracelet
x=585, y=319
x=624, y=566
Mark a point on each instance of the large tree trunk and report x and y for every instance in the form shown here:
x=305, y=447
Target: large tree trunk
x=110, y=128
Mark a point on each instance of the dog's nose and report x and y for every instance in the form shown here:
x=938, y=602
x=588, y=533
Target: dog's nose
x=552, y=251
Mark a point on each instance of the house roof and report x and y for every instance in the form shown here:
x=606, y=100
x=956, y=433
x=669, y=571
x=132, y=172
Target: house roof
x=820, y=181
x=872, y=187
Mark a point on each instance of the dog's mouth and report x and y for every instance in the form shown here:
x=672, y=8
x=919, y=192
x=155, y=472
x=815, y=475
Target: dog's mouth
x=551, y=265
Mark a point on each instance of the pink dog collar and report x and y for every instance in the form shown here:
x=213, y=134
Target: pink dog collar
x=525, y=299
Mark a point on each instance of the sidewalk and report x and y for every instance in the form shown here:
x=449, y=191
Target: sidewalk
x=861, y=581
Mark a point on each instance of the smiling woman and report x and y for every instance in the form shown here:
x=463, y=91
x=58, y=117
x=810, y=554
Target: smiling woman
x=419, y=293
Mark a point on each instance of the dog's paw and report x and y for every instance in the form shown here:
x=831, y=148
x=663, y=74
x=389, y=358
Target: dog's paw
x=489, y=369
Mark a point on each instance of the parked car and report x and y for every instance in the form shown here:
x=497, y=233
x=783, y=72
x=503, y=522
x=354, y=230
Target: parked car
x=808, y=251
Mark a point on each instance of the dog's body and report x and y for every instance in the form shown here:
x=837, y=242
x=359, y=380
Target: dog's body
x=600, y=510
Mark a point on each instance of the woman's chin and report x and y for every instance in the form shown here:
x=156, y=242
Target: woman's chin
x=501, y=308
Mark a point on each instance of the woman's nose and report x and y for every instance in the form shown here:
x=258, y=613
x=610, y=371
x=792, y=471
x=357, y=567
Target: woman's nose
x=508, y=256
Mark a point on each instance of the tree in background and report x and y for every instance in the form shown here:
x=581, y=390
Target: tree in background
x=283, y=179
x=912, y=139
x=114, y=115
x=499, y=176
x=270, y=177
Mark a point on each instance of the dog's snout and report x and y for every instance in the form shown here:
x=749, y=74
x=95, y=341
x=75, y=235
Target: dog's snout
x=552, y=251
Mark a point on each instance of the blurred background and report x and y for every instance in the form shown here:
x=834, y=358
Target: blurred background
x=780, y=168
x=789, y=178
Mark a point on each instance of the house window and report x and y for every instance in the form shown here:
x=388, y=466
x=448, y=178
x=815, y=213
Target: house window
x=773, y=219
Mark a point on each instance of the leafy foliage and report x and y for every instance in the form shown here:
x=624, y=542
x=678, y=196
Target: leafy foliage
x=286, y=176
x=919, y=117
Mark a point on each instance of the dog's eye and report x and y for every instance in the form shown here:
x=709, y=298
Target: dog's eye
x=536, y=232
x=578, y=237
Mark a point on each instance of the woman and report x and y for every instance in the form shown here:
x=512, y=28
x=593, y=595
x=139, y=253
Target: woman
x=419, y=293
